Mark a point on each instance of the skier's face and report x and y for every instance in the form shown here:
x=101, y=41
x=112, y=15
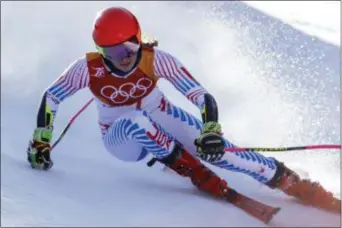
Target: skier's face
x=123, y=56
x=126, y=63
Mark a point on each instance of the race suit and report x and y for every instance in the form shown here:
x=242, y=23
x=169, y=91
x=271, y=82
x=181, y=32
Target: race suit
x=134, y=115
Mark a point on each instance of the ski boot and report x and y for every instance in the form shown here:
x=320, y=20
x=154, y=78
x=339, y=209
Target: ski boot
x=186, y=165
x=310, y=193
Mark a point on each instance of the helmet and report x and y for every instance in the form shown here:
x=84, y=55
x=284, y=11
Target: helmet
x=115, y=25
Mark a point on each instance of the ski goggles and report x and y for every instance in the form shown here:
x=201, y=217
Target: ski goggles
x=119, y=51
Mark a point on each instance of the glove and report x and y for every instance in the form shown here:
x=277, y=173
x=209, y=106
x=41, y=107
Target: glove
x=210, y=144
x=38, y=152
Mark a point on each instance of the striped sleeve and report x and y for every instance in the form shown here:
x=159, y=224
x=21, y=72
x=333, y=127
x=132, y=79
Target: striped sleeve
x=74, y=78
x=168, y=67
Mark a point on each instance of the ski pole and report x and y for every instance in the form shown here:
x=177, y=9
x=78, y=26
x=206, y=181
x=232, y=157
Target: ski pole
x=281, y=149
x=70, y=122
x=265, y=149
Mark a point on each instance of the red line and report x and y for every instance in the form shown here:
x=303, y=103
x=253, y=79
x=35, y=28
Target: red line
x=81, y=110
x=323, y=147
x=260, y=149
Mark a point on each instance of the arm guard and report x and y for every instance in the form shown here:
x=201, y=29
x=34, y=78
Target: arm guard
x=44, y=116
x=209, y=111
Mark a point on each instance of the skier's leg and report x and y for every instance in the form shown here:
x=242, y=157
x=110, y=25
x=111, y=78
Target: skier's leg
x=132, y=137
x=305, y=190
x=138, y=132
x=126, y=150
x=275, y=174
x=186, y=128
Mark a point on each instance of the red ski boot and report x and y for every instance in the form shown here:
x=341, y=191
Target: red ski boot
x=311, y=193
x=207, y=181
x=203, y=178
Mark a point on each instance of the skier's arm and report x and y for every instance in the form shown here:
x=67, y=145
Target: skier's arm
x=168, y=67
x=210, y=143
x=74, y=78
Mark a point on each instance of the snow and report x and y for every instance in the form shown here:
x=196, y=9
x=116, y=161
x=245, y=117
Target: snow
x=316, y=18
x=276, y=85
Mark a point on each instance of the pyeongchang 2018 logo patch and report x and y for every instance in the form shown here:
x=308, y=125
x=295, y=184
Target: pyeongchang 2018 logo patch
x=99, y=72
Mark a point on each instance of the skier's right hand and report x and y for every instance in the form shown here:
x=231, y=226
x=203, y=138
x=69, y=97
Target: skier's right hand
x=38, y=152
x=210, y=143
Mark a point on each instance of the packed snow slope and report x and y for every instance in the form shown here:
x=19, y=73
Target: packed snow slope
x=275, y=86
x=317, y=18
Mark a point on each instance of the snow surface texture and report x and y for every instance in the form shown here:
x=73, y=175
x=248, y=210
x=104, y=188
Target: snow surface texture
x=317, y=18
x=275, y=86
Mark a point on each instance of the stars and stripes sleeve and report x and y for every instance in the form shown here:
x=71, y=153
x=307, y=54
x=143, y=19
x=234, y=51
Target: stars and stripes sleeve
x=168, y=67
x=74, y=78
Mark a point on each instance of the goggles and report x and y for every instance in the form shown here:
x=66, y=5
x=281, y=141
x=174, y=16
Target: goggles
x=118, y=52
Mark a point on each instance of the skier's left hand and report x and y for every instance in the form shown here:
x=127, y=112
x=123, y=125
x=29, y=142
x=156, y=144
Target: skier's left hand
x=210, y=144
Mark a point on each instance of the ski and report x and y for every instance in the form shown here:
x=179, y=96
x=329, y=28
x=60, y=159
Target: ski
x=253, y=207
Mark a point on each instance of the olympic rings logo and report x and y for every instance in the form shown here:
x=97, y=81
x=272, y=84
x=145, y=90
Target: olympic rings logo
x=127, y=91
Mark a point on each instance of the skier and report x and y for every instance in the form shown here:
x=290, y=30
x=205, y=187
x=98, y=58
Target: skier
x=137, y=119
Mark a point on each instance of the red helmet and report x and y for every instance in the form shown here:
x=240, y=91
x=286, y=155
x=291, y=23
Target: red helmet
x=115, y=25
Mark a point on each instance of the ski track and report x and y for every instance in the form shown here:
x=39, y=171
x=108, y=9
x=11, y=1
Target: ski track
x=87, y=190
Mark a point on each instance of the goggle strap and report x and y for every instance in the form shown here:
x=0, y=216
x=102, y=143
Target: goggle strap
x=100, y=50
